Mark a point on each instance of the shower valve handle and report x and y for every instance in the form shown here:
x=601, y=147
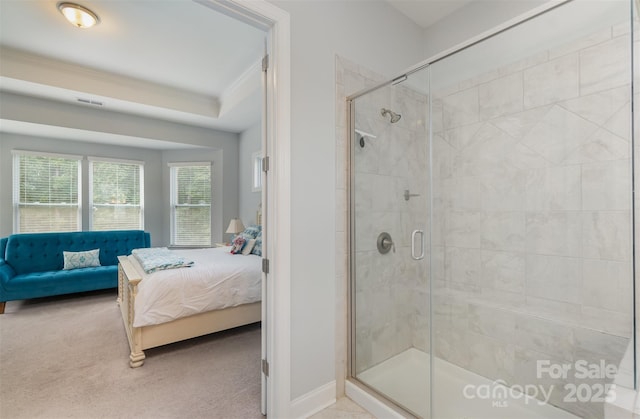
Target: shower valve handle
x=388, y=242
x=385, y=243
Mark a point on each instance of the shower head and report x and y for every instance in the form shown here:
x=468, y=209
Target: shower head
x=395, y=117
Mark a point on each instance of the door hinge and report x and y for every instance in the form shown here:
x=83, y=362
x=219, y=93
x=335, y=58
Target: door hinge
x=265, y=367
x=265, y=266
x=265, y=164
x=265, y=62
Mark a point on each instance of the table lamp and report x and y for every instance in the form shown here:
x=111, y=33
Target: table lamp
x=235, y=227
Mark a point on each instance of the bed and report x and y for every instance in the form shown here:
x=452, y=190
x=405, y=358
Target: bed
x=220, y=291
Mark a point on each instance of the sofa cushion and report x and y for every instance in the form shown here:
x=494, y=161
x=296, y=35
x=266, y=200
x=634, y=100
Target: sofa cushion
x=41, y=284
x=41, y=252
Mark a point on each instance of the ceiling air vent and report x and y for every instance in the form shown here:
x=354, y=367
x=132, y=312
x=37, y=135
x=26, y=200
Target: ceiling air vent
x=89, y=101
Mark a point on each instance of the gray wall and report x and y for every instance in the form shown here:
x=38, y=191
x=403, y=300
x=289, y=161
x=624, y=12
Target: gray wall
x=152, y=184
x=216, y=146
x=472, y=20
x=248, y=200
x=46, y=112
x=379, y=37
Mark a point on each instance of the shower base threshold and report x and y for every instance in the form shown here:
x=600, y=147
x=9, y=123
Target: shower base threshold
x=458, y=392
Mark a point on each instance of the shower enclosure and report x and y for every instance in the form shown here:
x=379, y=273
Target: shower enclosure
x=491, y=219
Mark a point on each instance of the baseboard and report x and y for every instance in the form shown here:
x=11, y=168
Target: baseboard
x=370, y=403
x=314, y=401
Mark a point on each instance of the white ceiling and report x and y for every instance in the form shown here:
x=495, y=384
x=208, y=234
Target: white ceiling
x=177, y=43
x=176, y=48
x=427, y=12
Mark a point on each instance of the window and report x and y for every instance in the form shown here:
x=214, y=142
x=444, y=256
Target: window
x=46, y=192
x=256, y=181
x=116, y=194
x=190, y=204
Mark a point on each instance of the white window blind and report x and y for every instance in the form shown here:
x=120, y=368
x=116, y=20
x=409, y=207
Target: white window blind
x=191, y=204
x=46, y=192
x=116, y=195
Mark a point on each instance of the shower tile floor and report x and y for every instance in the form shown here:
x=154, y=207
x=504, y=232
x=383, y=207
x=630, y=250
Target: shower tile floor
x=402, y=378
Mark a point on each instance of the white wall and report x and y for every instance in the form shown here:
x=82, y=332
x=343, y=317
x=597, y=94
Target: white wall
x=152, y=158
x=567, y=23
x=472, y=20
x=250, y=142
x=216, y=146
x=47, y=112
x=379, y=37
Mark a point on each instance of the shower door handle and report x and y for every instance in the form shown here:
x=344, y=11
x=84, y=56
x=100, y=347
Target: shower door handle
x=413, y=245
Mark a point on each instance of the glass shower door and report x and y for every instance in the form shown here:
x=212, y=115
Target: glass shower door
x=532, y=218
x=389, y=245
x=491, y=210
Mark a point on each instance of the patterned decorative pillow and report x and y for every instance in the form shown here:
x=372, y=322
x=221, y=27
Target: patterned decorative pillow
x=249, y=247
x=245, y=236
x=75, y=260
x=238, y=244
x=257, y=248
x=252, y=231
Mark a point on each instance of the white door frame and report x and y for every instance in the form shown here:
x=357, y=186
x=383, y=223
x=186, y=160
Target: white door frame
x=276, y=23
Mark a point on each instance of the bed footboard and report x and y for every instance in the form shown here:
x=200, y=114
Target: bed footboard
x=128, y=279
x=152, y=336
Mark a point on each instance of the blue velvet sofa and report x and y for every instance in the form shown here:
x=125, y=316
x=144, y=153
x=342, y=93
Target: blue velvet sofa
x=31, y=265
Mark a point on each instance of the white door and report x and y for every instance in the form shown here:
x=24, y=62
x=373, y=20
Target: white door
x=265, y=231
x=262, y=15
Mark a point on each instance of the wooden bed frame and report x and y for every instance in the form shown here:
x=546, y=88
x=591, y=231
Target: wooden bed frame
x=141, y=338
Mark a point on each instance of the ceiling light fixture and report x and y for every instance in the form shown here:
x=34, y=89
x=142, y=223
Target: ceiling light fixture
x=78, y=16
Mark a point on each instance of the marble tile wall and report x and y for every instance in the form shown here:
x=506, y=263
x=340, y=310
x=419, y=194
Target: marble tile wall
x=533, y=189
x=384, y=168
x=531, y=218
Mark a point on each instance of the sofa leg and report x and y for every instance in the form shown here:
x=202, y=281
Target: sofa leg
x=2, y=304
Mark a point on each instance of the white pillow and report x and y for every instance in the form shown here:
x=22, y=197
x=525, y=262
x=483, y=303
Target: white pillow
x=248, y=247
x=75, y=260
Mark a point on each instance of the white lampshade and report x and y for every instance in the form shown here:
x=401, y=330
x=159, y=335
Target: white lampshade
x=235, y=226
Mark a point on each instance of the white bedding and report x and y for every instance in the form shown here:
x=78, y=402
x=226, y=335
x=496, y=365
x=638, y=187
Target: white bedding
x=216, y=280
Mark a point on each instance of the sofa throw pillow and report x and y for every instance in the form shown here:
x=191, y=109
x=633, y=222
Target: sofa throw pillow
x=248, y=247
x=75, y=260
x=238, y=244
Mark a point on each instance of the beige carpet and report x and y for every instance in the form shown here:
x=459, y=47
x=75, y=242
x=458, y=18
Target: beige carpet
x=67, y=357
